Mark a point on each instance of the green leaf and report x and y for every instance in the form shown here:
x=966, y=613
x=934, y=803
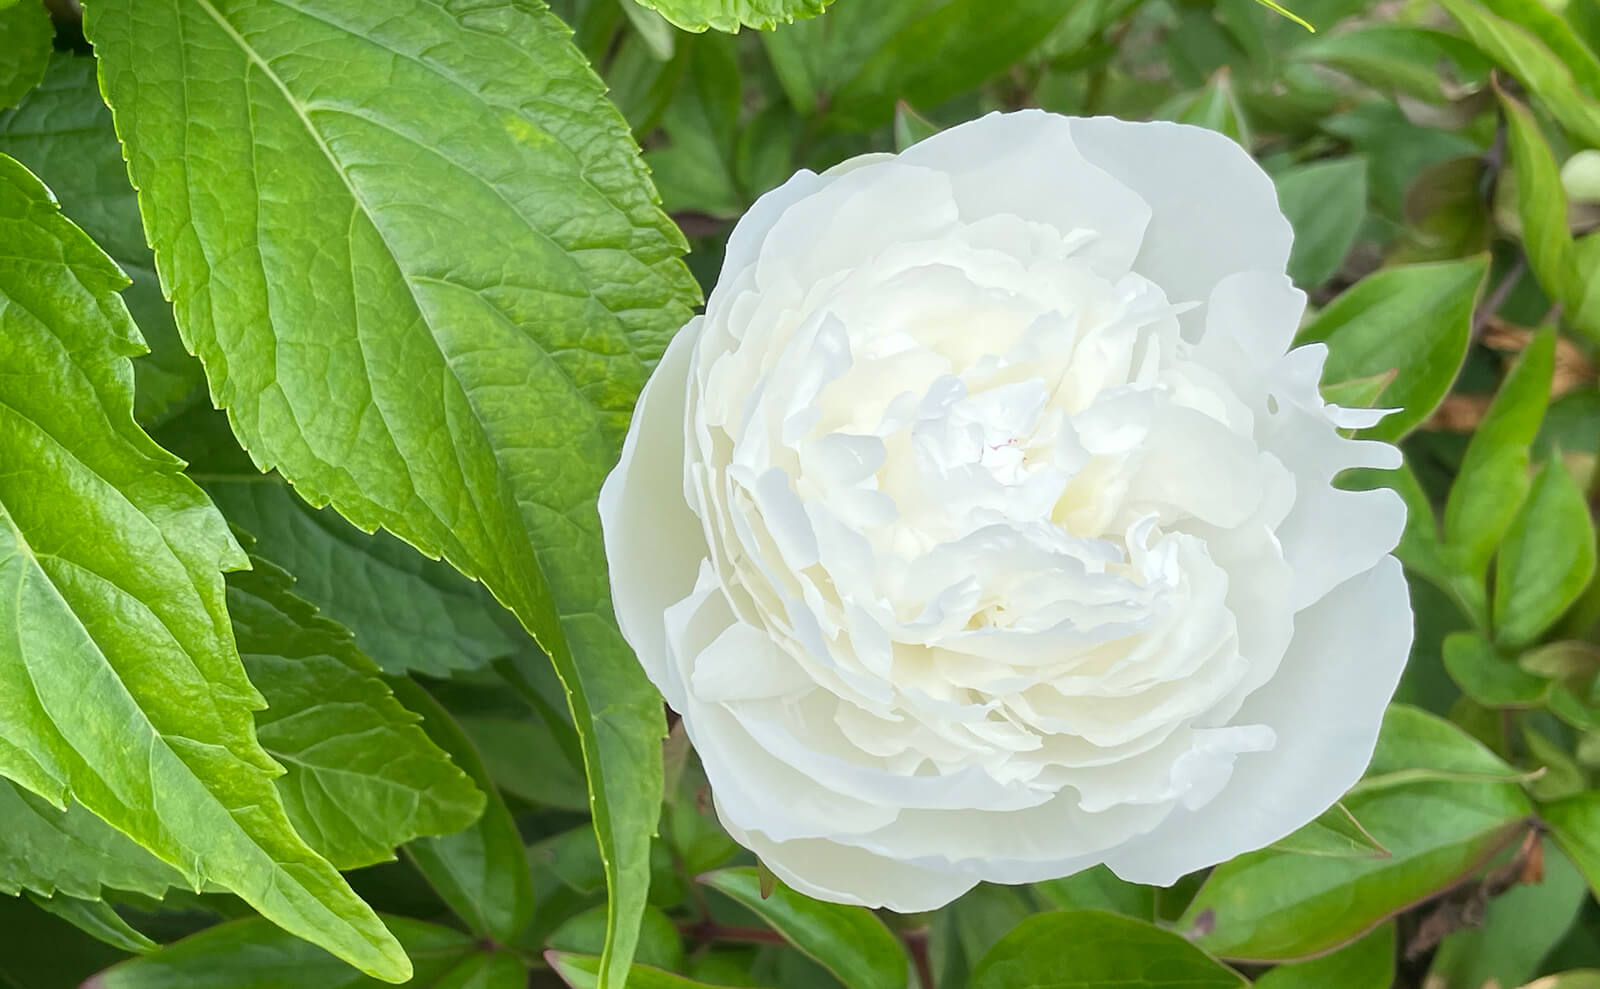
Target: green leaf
x=1414, y=320
x=1561, y=775
x=27, y=29
x=1547, y=559
x=505, y=745
x=1556, y=34
x=251, y=954
x=1099, y=889
x=1214, y=107
x=730, y=15
x=1575, y=824
x=481, y=872
x=499, y=970
x=1493, y=478
x=859, y=58
x=659, y=943
x=406, y=611
x=1365, y=964
x=1090, y=949
x=62, y=130
x=112, y=562
x=582, y=972
x=1487, y=677
x=1576, y=979
x=469, y=280
x=362, y=777
x=1520, y=927
x=1541, y=204
x=911, y=126
x=1335, y=832
x=1325, y=202
x=1438, y=827
x=695, y=171
x=655, y=30
x=1525, y=56
x=96, y=919
x=1401, y=59
x=49, y=850
x=848, y=941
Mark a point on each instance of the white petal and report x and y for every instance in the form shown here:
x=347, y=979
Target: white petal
x=1027, y=164
x=1326, y=704
x=654, y=543
x=1332, y=535
x=743, y=663
x=1213, y=210
x=826, y=870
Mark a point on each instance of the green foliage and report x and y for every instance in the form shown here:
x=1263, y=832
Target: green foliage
x=152, y=650
x=1105, y=950
x=362, y=296
x=27, y=30
x=849, y=941
x=410, y=269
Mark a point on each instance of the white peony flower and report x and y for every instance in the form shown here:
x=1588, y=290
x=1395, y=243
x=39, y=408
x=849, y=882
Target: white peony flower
x=982, y=528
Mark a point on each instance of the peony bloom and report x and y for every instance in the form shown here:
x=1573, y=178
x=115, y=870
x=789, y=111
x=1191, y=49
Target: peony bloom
x=983, y=529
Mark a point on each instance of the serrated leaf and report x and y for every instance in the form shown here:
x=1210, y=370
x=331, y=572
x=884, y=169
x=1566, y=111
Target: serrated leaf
x=481, y=872
x=858, y=59
x=97, y=919
x=848, y=941
x=111, y=562
x=1414, y=320
x=1493, y=479
x=428, y=297
x=406, y=611
x=49, y=850
x=252, y=954
x=1325, y=202
x=1365, y=964
x=1546, y=560
x=1521, y=53
x=27, y=31
x=731, y=15
x=1276, y=906
x=1105, y=949
x=62, y=131
x=362, y=777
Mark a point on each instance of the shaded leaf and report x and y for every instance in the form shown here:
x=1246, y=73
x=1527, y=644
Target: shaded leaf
x=49, y=851
x=1105, y=950
x=1521, y=926
x=1364, y=964
x=96, y=919
x=362, y=777
x=582, y=972
x=27, y=31
x=1541, y=205
x=848, y=941
x=480, y=872
x=858, y=59
x=1487, y=677
x=1493, y=479
x=1099, y=889
x=62, y=130
x=112, y=562
x=1546, y=560
x=251, y=954
x=406, y=611
x=1325, y=203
